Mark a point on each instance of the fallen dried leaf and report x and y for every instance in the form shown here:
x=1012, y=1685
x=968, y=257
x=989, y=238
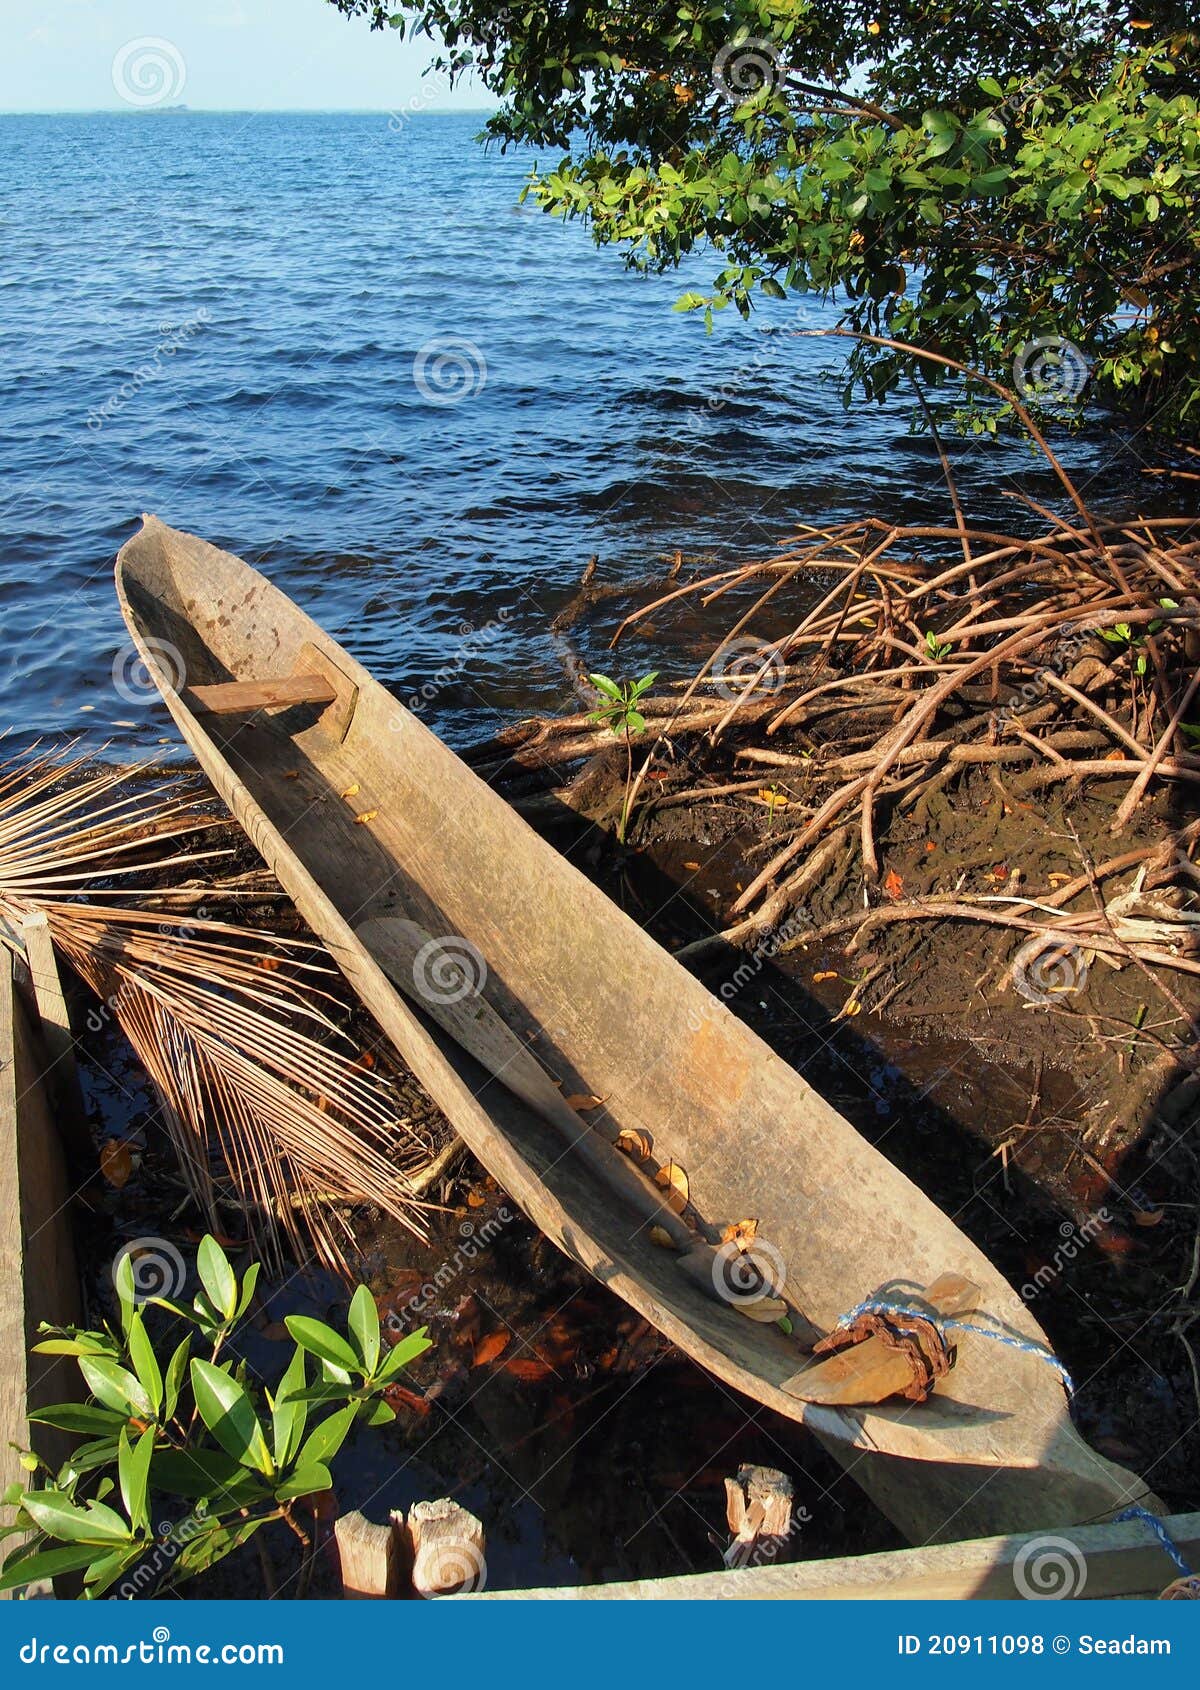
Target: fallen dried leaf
x=529, y=1369
x=476, y=1200
x=490, y=1347
x=367, y=816
x=740, y=1233
x=351, y=791
x=1148, y=1217
x=893, y=885
x=851, y=1007
x=116, y=1162
x=824, y=974
x=584, y=1100
x=674, y=1181
x=636, y=1143
x=660, y=1236
x=766, y=1310
x=691, y=865
x=292, y=774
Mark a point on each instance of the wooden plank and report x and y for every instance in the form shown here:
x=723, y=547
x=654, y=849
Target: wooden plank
x=874, y=1370
x=62, y=1072
x=232, y=698
x=1104, y=1561
x=38, y=1280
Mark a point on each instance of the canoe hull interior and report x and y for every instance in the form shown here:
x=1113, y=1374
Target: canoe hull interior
x=611, y=1015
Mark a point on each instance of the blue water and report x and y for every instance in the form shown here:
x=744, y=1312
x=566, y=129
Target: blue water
x=216, y=318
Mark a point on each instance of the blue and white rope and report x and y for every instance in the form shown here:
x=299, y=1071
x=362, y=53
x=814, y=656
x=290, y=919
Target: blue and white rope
x=1160, y=1532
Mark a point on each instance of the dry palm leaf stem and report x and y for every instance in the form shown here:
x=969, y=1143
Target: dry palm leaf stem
x=227, y=1021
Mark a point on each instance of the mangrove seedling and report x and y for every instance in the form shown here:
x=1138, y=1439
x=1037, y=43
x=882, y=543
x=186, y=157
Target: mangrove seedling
x=619, y=713
x=190, y=1439
x=937, y=649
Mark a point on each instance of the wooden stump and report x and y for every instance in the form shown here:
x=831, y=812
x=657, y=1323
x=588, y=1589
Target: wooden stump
x=368, y=1557
x=759, y=1511
x=448, y=1549
x=439, y=1552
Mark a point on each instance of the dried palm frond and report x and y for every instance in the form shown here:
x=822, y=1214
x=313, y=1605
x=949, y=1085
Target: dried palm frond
x=229, y=1022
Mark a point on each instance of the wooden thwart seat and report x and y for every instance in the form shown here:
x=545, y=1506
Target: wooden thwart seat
x=229, y=698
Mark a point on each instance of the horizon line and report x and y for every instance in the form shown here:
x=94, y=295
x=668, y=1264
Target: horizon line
x=185, y=110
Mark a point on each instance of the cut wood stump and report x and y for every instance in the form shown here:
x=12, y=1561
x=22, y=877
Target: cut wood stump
x=368, y=1556
x=448, y=1549
x=758, y=1507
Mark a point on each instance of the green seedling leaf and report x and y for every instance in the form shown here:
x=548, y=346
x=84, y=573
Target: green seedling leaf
x=322, y=1341
x=305, y=1481
x=145, y=1362
x=116, y=1387
x=228, y=1412
x=364, y=1327
x=217, y=1277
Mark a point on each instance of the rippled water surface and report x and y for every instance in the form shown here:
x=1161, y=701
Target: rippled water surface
x=217, y=318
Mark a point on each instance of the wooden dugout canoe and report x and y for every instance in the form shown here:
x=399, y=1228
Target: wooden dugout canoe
x=613, y=1015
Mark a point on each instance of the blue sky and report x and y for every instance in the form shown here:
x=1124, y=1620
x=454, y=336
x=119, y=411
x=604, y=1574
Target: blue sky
x=269, y=55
